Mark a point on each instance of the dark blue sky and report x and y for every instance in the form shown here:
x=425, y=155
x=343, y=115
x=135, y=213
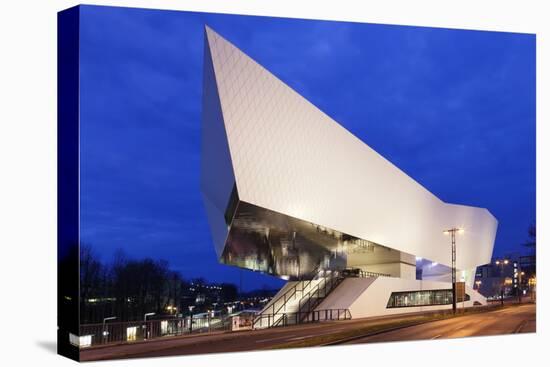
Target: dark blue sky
x=453, y=109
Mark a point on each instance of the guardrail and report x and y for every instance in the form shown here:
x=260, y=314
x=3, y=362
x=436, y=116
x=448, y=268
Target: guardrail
x=132, y=331
x=293, y=318
x=371, y=274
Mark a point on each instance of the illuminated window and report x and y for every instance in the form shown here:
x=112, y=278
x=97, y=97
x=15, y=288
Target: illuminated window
x=422, y=298
x=131, y=333
x=80, y=341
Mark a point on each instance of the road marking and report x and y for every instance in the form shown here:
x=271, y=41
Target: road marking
x=435, y=337
x=271, y=339
x=520, y=327
x=461, y=327
x=302, y=337
x=290, y=339
x=333, y=331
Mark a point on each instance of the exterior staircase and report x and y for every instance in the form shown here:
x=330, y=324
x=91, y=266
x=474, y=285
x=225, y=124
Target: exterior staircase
x=296, y=301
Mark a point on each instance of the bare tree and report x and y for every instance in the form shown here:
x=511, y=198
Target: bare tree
x=532, y=242
x=91, y=279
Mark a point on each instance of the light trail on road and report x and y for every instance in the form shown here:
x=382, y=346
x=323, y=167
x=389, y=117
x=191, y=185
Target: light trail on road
x=500, y=321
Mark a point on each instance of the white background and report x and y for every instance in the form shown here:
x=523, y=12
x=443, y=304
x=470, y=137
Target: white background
x=28, y=180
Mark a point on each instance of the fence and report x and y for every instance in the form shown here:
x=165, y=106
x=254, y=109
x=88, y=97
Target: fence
x=132, y=331
x=293, y=318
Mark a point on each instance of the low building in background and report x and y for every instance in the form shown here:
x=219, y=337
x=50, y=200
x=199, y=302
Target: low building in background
x=507, y=276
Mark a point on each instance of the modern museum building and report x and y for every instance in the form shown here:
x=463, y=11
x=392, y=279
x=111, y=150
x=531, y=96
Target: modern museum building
x=291, y=193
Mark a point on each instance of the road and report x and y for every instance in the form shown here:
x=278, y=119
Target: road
x=501, y=321
x=519, y=319
x=221, y=342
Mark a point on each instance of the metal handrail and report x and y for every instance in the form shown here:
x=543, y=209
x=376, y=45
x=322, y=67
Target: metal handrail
x=293, y=290
x=306, y=299
x=332, y=279
x=291, y=293
x=308, y=317
x=309, y=294
x=369, y=274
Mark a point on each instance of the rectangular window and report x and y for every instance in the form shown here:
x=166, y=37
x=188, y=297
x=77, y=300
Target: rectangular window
x=131, y=333
x=422, y=298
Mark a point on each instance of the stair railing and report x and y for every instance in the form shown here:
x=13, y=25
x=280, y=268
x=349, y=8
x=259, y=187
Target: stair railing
x=312, y=299
x=290, y=294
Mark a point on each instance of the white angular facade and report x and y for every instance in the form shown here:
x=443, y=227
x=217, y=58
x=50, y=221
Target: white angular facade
x=288, y=190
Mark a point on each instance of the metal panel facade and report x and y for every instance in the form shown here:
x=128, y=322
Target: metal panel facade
x=290, y=157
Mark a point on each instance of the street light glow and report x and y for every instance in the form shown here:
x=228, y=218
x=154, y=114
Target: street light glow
x=448, y=231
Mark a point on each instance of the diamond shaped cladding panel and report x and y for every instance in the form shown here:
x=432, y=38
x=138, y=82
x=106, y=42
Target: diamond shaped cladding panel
x=290, y=157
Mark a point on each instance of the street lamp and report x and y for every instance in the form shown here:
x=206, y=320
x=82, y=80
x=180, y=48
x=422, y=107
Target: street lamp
x=105, y=333
x=191, y=318
x=172, y=308
x=501, y=263
x=478, y=283
x=518, y=277
x=209, y=316
x=452, y=232
x=145, y=321
x=532, y=282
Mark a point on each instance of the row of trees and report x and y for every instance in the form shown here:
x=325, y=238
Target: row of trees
x=128, y=288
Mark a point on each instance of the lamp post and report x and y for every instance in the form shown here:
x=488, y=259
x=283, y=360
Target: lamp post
x=501, y=263
x=532, y=282
x=209, y=316
x=172, y=308
x=145, y=321
x=191, y=318
x=520, y=280
x=452, y=232
x=105, y=333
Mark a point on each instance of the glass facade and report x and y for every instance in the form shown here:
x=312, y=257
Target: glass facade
x=422, y=298
x=267, y=241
